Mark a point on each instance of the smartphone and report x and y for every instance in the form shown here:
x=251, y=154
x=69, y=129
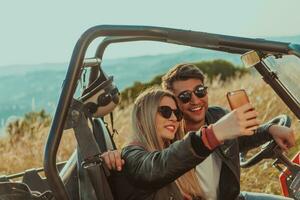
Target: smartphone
x=237, y=98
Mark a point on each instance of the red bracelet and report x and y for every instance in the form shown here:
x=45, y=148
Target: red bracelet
x=204, y=137
x=211, y=137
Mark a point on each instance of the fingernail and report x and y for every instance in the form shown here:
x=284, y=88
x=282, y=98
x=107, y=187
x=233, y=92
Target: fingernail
x=119, y=168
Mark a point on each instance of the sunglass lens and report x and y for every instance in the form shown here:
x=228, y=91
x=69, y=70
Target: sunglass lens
x=165, y=111
x=185, y=96
x=178, y=114
x=200, y=91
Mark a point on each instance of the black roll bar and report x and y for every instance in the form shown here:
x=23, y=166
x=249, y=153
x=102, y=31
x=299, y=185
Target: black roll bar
x=176, y=36
x=117, y=39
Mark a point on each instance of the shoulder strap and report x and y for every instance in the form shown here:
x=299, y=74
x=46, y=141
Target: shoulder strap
x=90, y=151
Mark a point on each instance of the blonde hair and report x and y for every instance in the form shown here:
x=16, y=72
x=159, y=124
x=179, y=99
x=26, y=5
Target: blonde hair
x=143, y=125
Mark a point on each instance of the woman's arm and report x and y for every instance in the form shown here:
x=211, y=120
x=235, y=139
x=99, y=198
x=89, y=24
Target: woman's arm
x=157, y=169
x=260, y=137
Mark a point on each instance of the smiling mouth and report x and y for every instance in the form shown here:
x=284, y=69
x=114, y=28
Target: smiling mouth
x=195, y=109
x=170, y=128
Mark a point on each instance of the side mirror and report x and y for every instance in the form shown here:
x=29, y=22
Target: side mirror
x=250, y=59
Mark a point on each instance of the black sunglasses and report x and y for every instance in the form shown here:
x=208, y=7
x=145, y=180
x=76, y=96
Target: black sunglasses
x=166, y=112
x=186, y=96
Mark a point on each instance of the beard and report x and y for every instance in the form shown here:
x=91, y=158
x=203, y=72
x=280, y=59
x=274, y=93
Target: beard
x=193, y=122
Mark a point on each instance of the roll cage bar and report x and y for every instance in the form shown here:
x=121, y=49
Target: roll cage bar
x=117, y=39
x=122, y=33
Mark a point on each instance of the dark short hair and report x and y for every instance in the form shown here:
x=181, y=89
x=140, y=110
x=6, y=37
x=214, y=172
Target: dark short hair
x=181, y=72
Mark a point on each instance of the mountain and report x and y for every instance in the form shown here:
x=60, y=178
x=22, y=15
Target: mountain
x=26, y=88
x=293, y=39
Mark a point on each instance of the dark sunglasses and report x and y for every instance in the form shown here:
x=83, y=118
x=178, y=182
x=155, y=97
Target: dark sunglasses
x=186, y=96
x=166, y=112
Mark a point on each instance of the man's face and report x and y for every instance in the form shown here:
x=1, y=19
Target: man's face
x=193, y=110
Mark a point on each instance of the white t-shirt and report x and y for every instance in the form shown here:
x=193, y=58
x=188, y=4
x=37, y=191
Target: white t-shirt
x=208, y=173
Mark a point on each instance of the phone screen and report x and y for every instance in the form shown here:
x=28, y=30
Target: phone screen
x=237, y=98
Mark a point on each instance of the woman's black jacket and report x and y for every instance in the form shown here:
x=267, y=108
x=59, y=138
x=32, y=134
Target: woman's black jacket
x=151, y=175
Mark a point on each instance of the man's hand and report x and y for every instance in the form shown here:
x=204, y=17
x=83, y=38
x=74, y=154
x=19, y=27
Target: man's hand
x=113, y=160
x=239, y=122
x=283, y=136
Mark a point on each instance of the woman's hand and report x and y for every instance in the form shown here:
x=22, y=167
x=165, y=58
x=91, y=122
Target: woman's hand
x=239, y=122
x=113, y=160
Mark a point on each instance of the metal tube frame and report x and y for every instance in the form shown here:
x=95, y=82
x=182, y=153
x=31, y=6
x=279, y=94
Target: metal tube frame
x=279, y=88
x=168, y=35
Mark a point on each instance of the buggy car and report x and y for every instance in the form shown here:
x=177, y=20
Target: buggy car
x=84, y=174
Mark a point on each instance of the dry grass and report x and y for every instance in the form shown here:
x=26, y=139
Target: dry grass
x=26, y=151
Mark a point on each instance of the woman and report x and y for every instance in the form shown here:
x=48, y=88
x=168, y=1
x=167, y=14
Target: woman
x=156, y=167
x=152, y=163
x=156, y=123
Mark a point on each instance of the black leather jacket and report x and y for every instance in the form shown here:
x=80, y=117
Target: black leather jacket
x=151, y=175
x=229, y=184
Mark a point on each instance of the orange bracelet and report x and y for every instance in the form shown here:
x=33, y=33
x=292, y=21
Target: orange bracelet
x=204, y=137
x=209, y=138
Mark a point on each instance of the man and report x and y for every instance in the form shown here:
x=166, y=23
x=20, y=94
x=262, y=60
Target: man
x=219, y=174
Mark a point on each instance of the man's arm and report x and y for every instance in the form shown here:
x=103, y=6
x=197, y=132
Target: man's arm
x=282, y=135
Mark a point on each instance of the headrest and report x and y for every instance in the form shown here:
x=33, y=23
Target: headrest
x=102, y=96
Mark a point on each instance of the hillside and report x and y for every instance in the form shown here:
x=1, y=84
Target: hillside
x=28, y=88
x=31, y=88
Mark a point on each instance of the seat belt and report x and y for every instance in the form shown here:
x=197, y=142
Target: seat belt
x=89, y=151
x=103, y=136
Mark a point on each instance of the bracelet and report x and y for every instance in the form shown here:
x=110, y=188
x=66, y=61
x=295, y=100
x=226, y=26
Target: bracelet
x=209, y=138
x=204, y=137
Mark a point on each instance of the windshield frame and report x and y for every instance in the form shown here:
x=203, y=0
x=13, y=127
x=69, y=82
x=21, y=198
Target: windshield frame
x=271, y=78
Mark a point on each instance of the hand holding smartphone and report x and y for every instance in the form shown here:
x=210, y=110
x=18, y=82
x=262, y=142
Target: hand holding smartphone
x=242, y=121
x=237, y=98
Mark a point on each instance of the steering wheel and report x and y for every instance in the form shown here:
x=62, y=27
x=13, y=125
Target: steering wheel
x=267, y=149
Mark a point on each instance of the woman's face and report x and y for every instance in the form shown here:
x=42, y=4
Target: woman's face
x=166, y=123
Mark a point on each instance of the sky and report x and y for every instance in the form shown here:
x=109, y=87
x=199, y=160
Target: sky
x=39, y=31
